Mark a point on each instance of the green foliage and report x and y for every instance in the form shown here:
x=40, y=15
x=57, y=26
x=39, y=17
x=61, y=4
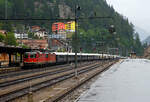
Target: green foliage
x=6, y=26
x=2, y=37
x=24, y=46
x=90, y=31
x=10, y=39
x=3, y=9
x=31, y=35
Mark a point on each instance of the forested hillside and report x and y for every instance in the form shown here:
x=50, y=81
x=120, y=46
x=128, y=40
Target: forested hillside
x=92, y=33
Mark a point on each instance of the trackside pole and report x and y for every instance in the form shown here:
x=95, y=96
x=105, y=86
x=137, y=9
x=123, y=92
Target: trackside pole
x=30, y=97
x=76, y=74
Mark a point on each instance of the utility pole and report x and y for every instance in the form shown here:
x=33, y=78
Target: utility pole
x=49, y=40
x=102, y=48
x=76, y=39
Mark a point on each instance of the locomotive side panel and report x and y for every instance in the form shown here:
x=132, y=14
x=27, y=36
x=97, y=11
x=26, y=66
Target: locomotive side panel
x=52, y=58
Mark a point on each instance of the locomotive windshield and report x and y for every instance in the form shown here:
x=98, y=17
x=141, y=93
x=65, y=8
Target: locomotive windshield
x=25, y=55
x=32, y=55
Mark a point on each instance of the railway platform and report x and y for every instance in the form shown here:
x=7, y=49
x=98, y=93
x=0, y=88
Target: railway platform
x=124, y=82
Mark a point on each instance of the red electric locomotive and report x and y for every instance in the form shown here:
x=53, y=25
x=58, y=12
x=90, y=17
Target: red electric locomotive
x=38, y=58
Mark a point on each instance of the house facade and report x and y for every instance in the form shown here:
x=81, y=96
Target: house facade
x=21, y=36
x=58, y=27
x=39, y=32
x=70, y=26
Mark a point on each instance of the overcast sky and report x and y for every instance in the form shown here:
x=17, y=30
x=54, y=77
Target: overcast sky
x=138, y=11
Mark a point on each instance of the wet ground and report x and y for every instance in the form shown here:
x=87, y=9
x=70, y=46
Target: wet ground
x=128, y=81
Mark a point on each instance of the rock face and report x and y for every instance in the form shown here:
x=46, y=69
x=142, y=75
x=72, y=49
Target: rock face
x=147, y=52
x=65, y=11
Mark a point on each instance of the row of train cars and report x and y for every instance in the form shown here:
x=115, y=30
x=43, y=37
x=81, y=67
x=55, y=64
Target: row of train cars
x=37, y=58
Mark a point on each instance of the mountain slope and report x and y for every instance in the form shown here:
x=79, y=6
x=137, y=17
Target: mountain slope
x=142, y=33
x=147, y=40
x=91, y=31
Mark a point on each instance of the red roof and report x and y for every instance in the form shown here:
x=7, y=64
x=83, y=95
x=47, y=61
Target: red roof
x=36, y=27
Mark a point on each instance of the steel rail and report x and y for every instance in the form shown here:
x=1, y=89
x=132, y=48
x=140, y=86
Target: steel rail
x=24, y=91
x=21, y=80
x=23, y=72
x=80, y=84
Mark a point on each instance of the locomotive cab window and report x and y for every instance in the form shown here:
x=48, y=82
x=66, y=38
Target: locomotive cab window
x=32, y=55
x=25, y=55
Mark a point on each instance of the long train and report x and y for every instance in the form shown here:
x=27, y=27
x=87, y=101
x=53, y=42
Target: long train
x=37, y=58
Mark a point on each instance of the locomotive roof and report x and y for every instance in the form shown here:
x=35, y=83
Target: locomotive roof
x=34, y=52
x=31, y=52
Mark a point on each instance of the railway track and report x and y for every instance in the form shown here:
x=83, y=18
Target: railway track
x=7, y=96
x=38, y=75
x=9, y=69
x=9, y=76
x=20, y=72
x=60, y=97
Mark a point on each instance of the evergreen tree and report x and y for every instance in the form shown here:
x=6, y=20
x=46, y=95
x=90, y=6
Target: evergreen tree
x=2, y=37
x=10, y=39
x=96, y=29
